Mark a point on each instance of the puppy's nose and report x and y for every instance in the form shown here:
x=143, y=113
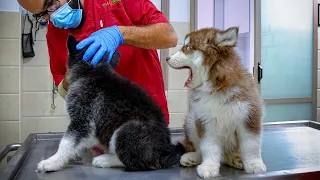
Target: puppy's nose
x=168, y=58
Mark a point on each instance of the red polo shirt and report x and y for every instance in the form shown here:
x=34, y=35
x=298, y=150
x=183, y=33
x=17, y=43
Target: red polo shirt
x=142, y=66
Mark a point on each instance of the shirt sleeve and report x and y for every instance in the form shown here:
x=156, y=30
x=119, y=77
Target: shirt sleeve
x=58, y=52
x=144, y=12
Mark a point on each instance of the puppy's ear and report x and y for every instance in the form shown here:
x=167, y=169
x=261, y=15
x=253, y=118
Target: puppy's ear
x=227, y=37
x=114, y=59
x=72, y=43
x=74, y=56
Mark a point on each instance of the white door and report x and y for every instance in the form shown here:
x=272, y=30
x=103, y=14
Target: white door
x=286, y=57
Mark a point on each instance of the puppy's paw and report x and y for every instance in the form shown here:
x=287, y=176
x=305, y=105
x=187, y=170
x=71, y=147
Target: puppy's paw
x=101, y=161
x=255, y=166
x=208, y=171
x=49, y=165
x=190, y=159
x=107, y=161
x=233, y=159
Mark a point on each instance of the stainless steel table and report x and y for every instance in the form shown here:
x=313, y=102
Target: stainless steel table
x=290, y=150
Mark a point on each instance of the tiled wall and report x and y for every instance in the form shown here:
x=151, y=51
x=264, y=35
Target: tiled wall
x=25, y=85
x=177, y=94
x=36, y=93
x=9, y=77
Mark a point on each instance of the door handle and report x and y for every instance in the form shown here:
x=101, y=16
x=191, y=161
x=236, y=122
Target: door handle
x=259, y=72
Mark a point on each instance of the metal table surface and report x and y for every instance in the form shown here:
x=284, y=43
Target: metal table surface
x=290, y=151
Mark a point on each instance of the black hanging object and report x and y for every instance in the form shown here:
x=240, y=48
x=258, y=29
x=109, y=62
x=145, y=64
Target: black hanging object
x=35, y=33
x=37, y=27
x=27, y=40
x=259, y=72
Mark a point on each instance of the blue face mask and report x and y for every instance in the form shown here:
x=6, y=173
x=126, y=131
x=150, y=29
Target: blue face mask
x=66, y=17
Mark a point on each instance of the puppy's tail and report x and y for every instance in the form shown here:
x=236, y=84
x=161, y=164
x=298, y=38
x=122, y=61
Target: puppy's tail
x=172, y=159
x=147, y=146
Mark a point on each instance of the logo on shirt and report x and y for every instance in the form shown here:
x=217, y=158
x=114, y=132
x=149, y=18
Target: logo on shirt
x=110, y=3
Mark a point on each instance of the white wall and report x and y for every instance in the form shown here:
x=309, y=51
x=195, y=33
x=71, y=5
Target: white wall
x=10, y=45
x=9, y=5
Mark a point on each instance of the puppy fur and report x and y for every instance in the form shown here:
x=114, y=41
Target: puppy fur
x=114, y=113
x=224, y=122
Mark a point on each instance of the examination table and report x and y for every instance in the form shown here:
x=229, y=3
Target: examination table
x=290, y=150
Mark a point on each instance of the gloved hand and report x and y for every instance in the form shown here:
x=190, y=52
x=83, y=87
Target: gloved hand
x=104, y=41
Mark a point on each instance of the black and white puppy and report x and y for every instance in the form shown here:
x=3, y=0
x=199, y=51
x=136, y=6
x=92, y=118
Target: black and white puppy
x=114, y=113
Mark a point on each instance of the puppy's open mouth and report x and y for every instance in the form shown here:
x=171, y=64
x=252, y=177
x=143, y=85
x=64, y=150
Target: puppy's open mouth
x=190, y=76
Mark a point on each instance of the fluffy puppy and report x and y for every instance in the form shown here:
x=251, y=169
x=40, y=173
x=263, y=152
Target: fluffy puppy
x=108, y=110
x=224, y=122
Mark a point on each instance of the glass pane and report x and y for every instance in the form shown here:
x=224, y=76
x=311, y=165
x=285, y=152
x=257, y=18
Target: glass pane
x=158, y=51
x=223, y=14
x=287, y=112
x=286, y=54
x=237, y=13
x=205, y=14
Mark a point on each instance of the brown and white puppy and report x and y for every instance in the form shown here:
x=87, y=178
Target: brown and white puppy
x=226, y=108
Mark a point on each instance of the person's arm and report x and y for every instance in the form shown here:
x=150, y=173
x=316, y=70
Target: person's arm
x=152, y=29
x=155, y=36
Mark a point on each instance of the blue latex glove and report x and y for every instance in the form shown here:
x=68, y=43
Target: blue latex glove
x=104, y=41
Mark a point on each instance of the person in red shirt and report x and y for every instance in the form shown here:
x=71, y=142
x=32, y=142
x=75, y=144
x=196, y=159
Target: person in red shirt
x=136, y=28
